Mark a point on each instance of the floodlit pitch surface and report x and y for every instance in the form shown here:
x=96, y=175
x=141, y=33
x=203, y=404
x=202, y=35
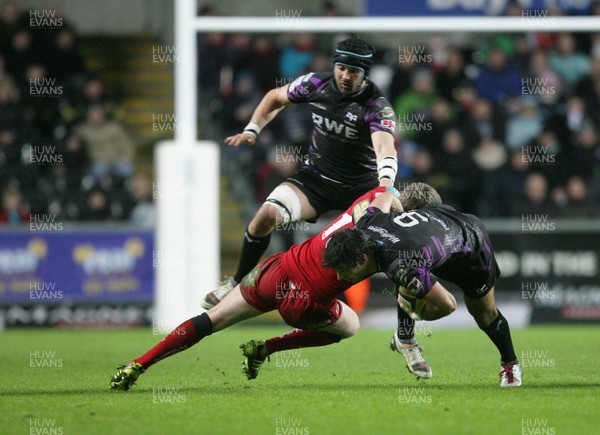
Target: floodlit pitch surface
x=56, y=381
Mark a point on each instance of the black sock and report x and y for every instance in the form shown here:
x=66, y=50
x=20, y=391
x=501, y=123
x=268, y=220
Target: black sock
x=202, y=325
x=252, y=249
x=499, y=333
x=406, y=325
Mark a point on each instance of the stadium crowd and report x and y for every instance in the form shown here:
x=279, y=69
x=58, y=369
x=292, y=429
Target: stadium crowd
x=63, y=150
x=505, y=125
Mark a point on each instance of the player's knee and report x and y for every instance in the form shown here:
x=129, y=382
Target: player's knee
x=442, y=307
x=449, y=304
x=351, y=326
x=264, y=221
x=484, y=316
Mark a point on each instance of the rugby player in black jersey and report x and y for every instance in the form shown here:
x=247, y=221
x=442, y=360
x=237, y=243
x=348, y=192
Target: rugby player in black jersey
x=351, y=151
x=429, y=240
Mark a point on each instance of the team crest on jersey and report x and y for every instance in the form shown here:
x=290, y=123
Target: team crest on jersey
x=387, y=112
x=351, y=117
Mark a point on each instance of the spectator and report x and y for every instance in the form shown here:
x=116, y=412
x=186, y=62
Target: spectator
x=452, y=75
x=544, y=83
x=97, y=206
x=64, y=60
x=40, y=95
x=458, y=179
x=93, y=93
x=585, y=159
x=569, y=120
x=577, y=199
x=411, y=106
x=498, y=80
x=13, y=211
x=525, y=124
x=11, y=111
x=585, y=86
x=438, y=120
x=11, y=20
x=212, y=57
x=482, y=122
x=571, y=66
x=535, y=197
x=504, y=186
x=401, y=78
x=109, y=146
x=489, y=155
x=10, y=155
x=421, y=167
x=76, y=160
x=548, y=156
x=141, y=211
x=264, y=56
x=297, y=56
x=238, y=108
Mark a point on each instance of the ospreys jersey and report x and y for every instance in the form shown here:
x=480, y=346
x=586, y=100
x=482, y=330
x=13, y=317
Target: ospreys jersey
x=341, y=149
x=435, y=239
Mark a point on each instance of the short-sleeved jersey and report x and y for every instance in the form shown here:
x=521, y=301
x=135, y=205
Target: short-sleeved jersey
x=432, y=240
x=304, y=262
x=341, y=148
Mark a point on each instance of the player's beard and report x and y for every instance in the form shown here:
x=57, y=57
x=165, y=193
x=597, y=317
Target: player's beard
x=348, y=90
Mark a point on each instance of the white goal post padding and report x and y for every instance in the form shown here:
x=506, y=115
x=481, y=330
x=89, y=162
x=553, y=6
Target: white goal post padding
x=187, y=242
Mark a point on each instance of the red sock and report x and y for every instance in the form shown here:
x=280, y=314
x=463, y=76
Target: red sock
x=301, y=338
x=179, y=339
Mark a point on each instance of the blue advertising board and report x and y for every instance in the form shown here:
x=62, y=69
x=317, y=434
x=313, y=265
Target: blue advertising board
x=76, y=267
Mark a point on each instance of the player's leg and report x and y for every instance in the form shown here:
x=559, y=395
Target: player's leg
x=287, y=203
x=494, y=324
x=437, y=303
x=404, y=342
x=232, y=309
x=344, y=324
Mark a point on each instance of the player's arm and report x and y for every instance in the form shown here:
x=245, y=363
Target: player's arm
x=388, y=201
x=272, y=103
x=387, y=158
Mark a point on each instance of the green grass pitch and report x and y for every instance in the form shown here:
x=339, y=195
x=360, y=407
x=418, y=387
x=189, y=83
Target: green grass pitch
x=56, y=381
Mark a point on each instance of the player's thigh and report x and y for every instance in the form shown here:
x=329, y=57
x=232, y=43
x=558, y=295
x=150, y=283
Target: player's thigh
x=440, y=299
x=231, y=310
x=346, y=325
x=307, y=210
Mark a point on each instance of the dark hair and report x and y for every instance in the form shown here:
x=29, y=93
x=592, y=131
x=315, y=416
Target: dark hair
x=346, y=248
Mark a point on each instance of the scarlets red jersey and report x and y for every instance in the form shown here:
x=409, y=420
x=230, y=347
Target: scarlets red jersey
x=304, y=263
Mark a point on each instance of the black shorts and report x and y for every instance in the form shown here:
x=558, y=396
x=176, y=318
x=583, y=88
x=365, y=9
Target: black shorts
x=325, y=195
x=475, y=273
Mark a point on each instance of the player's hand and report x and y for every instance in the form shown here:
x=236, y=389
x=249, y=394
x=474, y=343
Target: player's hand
x=238, y=139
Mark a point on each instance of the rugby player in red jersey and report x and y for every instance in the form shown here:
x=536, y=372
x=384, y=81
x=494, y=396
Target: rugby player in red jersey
x=295, y=283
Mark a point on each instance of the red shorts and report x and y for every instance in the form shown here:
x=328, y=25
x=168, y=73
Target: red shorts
x=267, y=287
